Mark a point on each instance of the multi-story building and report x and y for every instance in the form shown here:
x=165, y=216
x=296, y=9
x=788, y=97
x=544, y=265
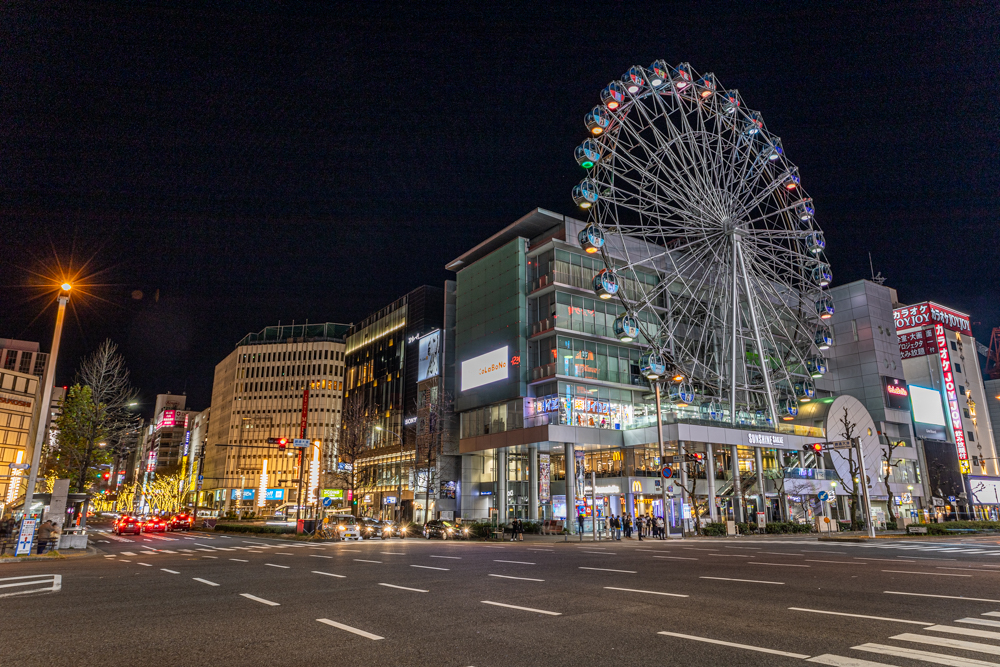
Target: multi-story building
x=194, y=452
x=284, y=381
x=19, y=396
x=169, y=434
x=550, y=398
x=22, y=356
x=395, y=360
x=865, y=363
x=950, y=403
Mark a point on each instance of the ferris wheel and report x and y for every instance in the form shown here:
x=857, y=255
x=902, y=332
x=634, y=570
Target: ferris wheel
x=709, y=243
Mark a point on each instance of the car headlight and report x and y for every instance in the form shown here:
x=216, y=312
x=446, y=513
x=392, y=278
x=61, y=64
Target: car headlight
x=341, y=527
x=449, y=530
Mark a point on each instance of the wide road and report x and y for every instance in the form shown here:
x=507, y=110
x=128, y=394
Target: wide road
x=198, y=599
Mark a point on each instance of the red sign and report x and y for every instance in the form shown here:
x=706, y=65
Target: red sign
x=930, y=313
x=917, y=343
x=515, y=360
x=951, y=393
x=305, y=411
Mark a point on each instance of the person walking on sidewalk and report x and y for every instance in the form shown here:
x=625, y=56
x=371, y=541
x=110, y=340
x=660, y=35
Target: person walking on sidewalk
x=639, y=527
x=628, y=527
x=44, y=532
x=660, y=527
x=579, y=521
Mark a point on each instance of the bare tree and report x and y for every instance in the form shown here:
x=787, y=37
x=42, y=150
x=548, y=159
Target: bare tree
x=435, y=410
x=357, y=421
x=691, y=464
x=887, y=451
x=854, y=469
x=113, y=424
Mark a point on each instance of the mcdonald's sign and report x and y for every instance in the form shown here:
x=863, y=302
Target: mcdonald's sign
x=636, y=486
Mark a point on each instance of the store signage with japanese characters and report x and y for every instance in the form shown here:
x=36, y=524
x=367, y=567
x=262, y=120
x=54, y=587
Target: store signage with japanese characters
x=917, y=343
x=951, y=394
x=926, y=313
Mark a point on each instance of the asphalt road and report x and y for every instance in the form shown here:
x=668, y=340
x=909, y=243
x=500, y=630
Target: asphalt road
x=194, y=599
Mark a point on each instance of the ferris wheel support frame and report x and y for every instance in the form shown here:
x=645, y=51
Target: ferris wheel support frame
x=756, y=332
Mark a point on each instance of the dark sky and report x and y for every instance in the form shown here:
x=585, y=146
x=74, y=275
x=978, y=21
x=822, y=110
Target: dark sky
x=256, y=162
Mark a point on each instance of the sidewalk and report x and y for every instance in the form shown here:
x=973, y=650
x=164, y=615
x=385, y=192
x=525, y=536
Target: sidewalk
x=68, y=554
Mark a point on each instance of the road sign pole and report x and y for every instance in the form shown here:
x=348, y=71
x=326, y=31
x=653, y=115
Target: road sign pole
x=863, y=481
x=663, y=462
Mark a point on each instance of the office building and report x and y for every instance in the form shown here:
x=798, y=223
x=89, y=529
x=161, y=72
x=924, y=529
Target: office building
x=22, y=356
x=284, y=381
x=19, y=396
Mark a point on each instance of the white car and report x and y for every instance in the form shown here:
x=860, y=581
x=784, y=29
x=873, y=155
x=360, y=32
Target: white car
x=347, y=527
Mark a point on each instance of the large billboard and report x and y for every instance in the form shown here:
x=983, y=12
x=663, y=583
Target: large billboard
x=928, y=415
x=951, y=394
x=927, y=313
x=429, y=356
x=484, y=369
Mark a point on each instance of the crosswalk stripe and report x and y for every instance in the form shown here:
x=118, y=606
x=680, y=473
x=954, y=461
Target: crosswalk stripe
x=967, y=632
x=841, y=661
x=979, y=621
x=128, y=553
x=926, y=656
x=948, y=643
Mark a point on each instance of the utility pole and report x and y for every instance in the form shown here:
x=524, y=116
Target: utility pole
x=44, y=411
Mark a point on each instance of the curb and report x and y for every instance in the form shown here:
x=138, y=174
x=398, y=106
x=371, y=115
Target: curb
x=90, y=552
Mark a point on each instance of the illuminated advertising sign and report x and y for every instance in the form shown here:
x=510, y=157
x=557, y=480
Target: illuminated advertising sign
x=151, y=462
x=429, y=356
x=895, y=393
x=336, y=494
x=951, y=393
x=484, y=369
x=544, y=478
x=928, y=313
x=168, y=419
x=245, y=494
x=919, y=343
x=928, y=415
x=985, y=490
x=274, y=494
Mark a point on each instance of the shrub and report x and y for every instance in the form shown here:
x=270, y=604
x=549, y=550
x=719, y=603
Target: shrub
x=942, y=528
x=714, y=530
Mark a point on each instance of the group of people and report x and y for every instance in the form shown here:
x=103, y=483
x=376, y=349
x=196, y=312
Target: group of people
x=48, y=533
x=644, y=526
x=516, y=529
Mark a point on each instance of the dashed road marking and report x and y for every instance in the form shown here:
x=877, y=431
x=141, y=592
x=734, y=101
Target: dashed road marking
x=514, y=606
x=260, y=600
x=405, y=588
x=205, y=581
x=748, y=647
x=635, y=590
x=348, y=628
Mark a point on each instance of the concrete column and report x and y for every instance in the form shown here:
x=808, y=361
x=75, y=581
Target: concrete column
x=570, y=455
x=501, y=485
x=533, y=483
x=713, y=511
x=758, y=462
x=737, y=502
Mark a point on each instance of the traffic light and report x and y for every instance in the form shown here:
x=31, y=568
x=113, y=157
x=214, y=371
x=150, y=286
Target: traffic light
x=816, y=447
x=106, y=476
x=698, y=457
x=280, y=442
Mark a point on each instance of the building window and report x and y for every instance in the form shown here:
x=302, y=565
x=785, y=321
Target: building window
x=953, y=346
x=25, y=362
x=972, y=438
x=854, y=329
x=966, y=411
x=961, y=389
x=958, y=368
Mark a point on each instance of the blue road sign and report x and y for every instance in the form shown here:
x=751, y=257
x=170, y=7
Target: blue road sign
x=666, y=471
x=823, y=496
x=300, y=442
x=327, y=502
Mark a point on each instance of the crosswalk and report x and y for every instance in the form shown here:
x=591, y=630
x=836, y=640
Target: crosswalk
x=907, y=546
x=207, y=548
x=38, y=583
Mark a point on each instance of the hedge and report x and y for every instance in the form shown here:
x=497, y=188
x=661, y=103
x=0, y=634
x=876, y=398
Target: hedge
x=942, y=528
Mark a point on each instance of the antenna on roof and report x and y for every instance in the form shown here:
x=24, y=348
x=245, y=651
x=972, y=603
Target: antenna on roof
x=878, y=279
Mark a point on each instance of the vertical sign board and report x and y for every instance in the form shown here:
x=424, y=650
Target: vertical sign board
x=951, y=394
x=581, y=475
x=544, y=479
x=305, y=411
x=26, y=537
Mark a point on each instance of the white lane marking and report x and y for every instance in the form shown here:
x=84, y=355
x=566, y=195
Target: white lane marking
x=449, y=557
x=926, y=656
x=842, y=661
x=212, y=557
x=124, y=561
x=144, y=564
x=514, y=606
x=980, y=621
x=110, y=555
x=52, y=585
x=967, y=632
x=391, y=553
x=842, y=562
x=348, y=628
x=282, y=553
x=604, y=569
x=260, y=600
x=504, y=576
x=163, y=569
x=780, y=553
x=493, y=546
x=946, y=597
x=516, y=562
x=405, y=588
x=822, y=551
x=697, y=549
x=991, y=613
x=320, y=556
x=284, y=567
x=734, y=645
x=779, y=564
x=428, y=567
x=928, y=558
x=947, y=642
x=966, y=569
x=128, y=553
x=675, y=557
x=530, y=549
x=167, y=551
x=149, y=553
x=204, y=545
x=239, y=560
x=933, y=574
x=606, y=553
x=362, y=560
x=330, y=574
x=205, y=581
x=875, y=618
x=748, y=581
x=187, y=551
x=890, y=560
x=636, y=590
x=734, y=555
x=754, y=548
x=209, y=550
x=357, y=551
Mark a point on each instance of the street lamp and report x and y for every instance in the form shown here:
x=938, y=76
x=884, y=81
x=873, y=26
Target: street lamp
x=44, y=411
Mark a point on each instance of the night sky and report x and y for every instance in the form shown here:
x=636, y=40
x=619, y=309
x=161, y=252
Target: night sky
x=257, y=162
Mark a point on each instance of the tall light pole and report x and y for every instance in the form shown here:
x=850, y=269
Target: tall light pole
x=44, y=411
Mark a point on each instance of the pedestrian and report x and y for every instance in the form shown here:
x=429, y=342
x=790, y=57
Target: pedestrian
x=520, y=530
x=579, y=521
x=639, y=526
x=628, y=526
x=44, y=531
x=660, y=527
x=54, y=536
x=649, y=524
x=618, y=528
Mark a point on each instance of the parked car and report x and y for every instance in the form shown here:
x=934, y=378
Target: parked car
x=443, y=529
x=370, y=528
x=347, y=527
x=154, y=524
x=127, y=524
x=180, y=522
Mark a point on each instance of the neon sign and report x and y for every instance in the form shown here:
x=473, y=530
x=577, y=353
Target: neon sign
x=952, y=395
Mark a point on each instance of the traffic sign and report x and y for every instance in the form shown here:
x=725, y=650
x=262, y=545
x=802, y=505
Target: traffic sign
x=823, y=496
x=666, y=471
x=327, y=502
x=20, y=466
x=300, y=442
x=838, y=444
